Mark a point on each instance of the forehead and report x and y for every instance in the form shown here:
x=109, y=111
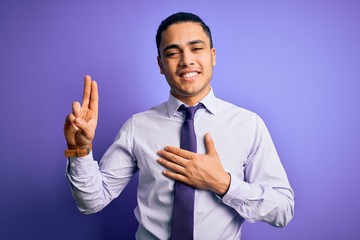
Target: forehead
x=182, y=33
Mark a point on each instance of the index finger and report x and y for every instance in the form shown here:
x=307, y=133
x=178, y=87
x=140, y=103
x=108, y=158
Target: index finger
x=87, y=91
x=178, y=151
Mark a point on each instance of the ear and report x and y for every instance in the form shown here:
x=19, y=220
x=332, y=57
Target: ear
x=160, y=65
x=213, y=56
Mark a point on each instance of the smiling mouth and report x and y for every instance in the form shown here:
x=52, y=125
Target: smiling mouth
x=189, y=75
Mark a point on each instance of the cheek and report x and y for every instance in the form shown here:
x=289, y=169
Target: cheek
x=169, y=73
x=210, y=63
x=169, y=68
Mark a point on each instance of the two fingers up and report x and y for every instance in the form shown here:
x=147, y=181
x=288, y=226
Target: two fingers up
x=80, y=125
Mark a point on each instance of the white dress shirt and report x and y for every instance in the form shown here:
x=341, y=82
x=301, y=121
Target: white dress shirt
x=259, y=188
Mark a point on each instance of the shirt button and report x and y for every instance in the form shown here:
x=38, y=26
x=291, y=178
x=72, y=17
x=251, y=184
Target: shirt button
x=72, y=164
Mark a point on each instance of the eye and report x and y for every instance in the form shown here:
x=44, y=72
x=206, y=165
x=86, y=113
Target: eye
x=171, y=54
x=195, y=49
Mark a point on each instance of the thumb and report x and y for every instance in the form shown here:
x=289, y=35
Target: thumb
x=209, y=144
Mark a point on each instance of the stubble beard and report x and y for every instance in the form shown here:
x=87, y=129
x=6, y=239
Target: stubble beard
x=184, y=92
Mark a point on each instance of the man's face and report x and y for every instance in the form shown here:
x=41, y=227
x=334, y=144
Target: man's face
x=186, y=60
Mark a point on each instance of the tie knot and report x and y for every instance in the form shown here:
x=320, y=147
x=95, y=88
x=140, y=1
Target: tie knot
x=190, y=111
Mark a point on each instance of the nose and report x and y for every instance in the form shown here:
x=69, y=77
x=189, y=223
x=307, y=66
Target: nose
x=186, y=59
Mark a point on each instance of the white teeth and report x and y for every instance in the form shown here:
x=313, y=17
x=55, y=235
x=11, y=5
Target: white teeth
x=190, y=74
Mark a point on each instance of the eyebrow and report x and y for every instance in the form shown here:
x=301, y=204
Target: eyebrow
x=176, y=46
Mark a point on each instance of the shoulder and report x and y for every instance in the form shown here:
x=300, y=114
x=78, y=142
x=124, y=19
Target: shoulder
x=156, y=111
x=143, y=119
x=229, y=109
x=240, y=116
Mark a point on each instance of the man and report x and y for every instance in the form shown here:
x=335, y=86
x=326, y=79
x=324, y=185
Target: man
x=235, y=171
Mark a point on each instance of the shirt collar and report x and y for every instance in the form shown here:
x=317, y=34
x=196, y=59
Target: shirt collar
x=209, y=102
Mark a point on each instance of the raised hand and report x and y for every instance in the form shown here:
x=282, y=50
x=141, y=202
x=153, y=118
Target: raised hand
x=80, y=125
x=203, y=171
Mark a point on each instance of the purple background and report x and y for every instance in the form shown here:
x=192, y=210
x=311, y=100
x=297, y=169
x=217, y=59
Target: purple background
x=295, y=63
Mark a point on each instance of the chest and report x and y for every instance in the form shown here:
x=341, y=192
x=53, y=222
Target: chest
x=232, y=139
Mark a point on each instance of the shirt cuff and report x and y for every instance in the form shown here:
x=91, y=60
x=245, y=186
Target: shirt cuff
x=237, y=193
x=81, y=166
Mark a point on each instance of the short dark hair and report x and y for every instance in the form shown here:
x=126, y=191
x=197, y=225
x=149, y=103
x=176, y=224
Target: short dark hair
x=181, y=17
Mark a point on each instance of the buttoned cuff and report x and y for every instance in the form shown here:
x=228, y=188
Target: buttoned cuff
x=237, y=193
x=81, y=166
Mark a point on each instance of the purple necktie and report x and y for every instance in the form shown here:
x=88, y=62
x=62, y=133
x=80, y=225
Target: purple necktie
x=183, y=213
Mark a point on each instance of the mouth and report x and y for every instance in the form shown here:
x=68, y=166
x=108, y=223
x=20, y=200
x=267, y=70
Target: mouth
x=189, y=75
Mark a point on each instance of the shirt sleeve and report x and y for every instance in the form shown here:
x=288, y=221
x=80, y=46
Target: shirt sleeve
x=265, y=193
x=94, y=185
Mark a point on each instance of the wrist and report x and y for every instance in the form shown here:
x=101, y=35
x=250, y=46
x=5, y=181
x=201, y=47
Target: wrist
x=224, y=185
x=78, y=152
